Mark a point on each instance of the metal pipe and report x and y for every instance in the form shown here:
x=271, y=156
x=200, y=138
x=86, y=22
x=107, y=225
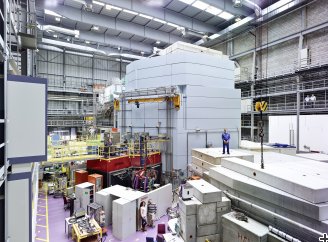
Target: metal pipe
x=252, y=5
x=59, y=29
x=298, y=110
x=274, y=215
x=282, y=234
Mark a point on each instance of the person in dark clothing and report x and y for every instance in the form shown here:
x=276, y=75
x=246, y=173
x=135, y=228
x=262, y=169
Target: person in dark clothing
x=226, y=140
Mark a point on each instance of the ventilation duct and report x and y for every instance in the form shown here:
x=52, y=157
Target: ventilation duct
x=69, y=32
x=82, y=48
x=252, y=5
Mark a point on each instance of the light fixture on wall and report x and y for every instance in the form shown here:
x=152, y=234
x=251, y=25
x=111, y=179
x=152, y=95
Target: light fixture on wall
x=95, y=28
x=237, y=3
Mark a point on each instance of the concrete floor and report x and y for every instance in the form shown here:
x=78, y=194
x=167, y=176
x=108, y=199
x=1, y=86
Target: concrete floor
x=53, y=230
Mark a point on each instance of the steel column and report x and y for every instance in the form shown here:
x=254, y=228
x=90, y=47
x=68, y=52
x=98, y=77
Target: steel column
x=298, y=108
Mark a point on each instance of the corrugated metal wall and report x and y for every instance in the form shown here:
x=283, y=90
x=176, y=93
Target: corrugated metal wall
x=74, y=74
x=77, y=71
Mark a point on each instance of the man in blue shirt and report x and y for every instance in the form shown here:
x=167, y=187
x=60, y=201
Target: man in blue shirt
x=225, y=139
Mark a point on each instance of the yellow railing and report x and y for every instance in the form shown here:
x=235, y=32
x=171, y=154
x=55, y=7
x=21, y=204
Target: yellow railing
x=95, y=149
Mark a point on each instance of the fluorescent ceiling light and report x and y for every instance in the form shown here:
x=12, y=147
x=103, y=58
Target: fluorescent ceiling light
x=159, y=20
x=145, y=16
x=201, y=5
x=225, y=15
x=96, y=28
x=130, y=12
x=187, y=1
x=57, y=19
x=213, y=10
x=238, y=19
x=126, y=61
x=214, y=36
x=110, y=7
x=76, y=33
x=98, y=3
x=173, y=25
x=52, y=13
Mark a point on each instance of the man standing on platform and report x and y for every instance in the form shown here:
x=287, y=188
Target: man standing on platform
x=225, y=139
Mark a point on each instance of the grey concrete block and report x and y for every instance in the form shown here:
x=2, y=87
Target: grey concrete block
x=214, y=155
x=205, y=192
x=219, y=219
x=206, y=214
x=268, y=193
x=212, y=238
x=203, y=230
x=226, y=202
x=189, y=207
x=321, y=226
x=301, y=183
x=188, y=227
x=236, y=230
x=222, y=209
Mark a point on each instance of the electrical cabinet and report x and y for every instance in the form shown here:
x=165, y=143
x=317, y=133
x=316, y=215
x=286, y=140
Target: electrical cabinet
x=97, y=180
x=81, y=176
x=85, y=193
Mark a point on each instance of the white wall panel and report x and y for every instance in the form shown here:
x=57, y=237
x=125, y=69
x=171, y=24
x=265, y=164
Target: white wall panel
x=313, y=130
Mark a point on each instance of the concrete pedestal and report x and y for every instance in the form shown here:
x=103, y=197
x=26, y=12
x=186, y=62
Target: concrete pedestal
x=306, y=184
x=236, y=230
x=205, y=192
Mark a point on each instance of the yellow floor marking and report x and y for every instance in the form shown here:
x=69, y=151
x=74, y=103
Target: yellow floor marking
x=41, y=239
x=47, y=222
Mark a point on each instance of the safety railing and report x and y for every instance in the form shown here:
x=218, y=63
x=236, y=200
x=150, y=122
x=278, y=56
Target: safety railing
x=70, y=89
x=68, y=123
x=288, y=88
x=69, y=112
x=304, y=106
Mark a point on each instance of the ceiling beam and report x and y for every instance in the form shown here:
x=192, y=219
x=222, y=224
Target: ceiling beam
x=116, y=24
x=164, y=14
x=227, y=5
x=113, y=41
x=116, y=41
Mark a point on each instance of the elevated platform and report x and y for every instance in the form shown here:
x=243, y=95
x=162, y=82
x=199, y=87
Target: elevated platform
x=254, y=146
x=314, y=156
x=214, y=155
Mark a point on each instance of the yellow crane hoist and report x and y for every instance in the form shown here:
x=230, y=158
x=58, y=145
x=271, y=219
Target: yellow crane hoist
x=261, y=106
x=175, y=99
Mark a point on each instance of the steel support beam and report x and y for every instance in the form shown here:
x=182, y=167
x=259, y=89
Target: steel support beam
x=298, y=110
x=116, y=41
x=116, y=24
